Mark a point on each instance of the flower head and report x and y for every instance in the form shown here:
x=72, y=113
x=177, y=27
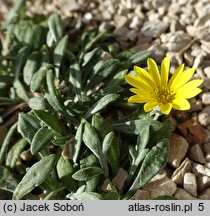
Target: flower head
x=154, y=88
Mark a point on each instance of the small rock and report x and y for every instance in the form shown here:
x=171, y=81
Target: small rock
x=198, y=169
x=132, y=35
x=189, y=59
x=206, y=147
x=176, y=58
x=206, y=98
x=189, y=183
x=182, y=194
x=68, y=5
x=154, y=28
x=206, y=83
x=178, y=150
x=141, y=195
x=198, y=61
x=191, y=30
x=205, y=194
x=160, y=186
x=121, y=32
x=178, y=42
x=175, y=26
x=204, y=117
x=135, y=23
x=186, y=166
x=120, y=20
x=203, y=182
x=120, y=178
x=207, y=156
x=207, y=71
x=159, y=52
x=196, y=154
x=195, y=105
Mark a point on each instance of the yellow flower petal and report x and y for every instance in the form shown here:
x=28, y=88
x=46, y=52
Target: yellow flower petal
x=153, y=70
x=146, y=94
x=190, y=89
x=150, y=105
x=145, y=76
x=137, y=82
x=137, y=99
x=176, y=75
x=165, y=108
x=183, y=78
x=180, y=104
x=165, y=65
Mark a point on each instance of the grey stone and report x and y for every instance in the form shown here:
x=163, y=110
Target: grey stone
x=178, y=150
x=182, y=194
x=132, y=35
x=190, y=184
x=135, y=23
x=205, y=194
x=121, y=32
x=206, y=98
x=120, y=178
x=154, y=28
x=141, y=195
x=196, y=154
x=198, y=169
x=160, y=185
x=186, y=166
x=120, y=20
x=203, y=183
x=207, y=71
x=195, y=104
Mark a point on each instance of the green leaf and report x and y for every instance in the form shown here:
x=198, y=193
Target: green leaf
x=38, y=37
x=75, y=77
x=86, y=196
x=6, y=142
x=91, y=140
x=38, y=103
x=55, y=27
x=65, y=171
x=140, y=56
x=101, y=71
x=28, y=125
x=15, y=152
x=20, y=60
x=50, y=120
x=7, y=180
x=31, y=66
x=41, y=139
x=38, y=79
x=154, y=161
x=101, y=104
x=20, y=90
x=85, y=174
x=35, y=176
x=101, y=126
x=59, y=53
x=78, y=141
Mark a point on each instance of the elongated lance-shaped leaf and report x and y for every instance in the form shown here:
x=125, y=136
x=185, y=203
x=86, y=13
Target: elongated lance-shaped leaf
x=6, y=142
x=38, y=103
x=50, y=120
x=39, y=79
x=154, y=161
x=78, y=141
x=15, y=152
x=85, y=174
x=55, y=27
x=41, y=139
x=140, y=56
x=65, y=170
x=91, y=140
x=85, y=196
x=35, y=176
x=20, y=90
x=7, y=180
x=107, y=142
x=31, y=66
x=75, y=77
x=28, y=125
x=59, y=54
x=101, y=72
x=101, y=104
x=20, y=60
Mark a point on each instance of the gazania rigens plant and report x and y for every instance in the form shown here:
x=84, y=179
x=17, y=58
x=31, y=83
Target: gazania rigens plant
x=154, y=88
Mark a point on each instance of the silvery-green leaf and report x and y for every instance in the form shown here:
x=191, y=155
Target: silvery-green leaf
x=35, y=176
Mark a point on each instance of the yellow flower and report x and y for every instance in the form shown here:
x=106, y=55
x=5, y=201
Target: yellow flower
x=155, y=89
